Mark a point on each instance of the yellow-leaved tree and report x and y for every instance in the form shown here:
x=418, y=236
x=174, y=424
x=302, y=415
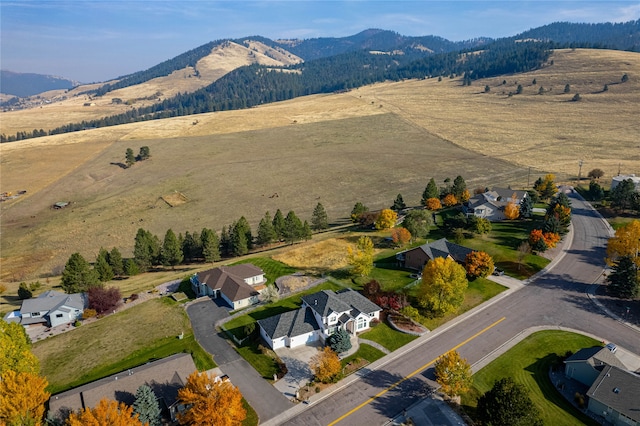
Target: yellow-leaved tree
x=360, y=257
x=15, y=349
x=22, y=398
x=107, y=412
x=387, y=219
x=478, y=264
x=453, y=373
x=450, y=200
x=210, y=403
x=433, y=204
x=326, y=366
x=512, y=210
x=626, y=242
x=443, y=286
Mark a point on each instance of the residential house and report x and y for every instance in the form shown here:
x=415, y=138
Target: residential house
x=615, y=395
x=617, y=180
x=238, y=285
x=165, y=377
x=51, y=308
x=417, y=257
x=586, y=364
x=490, y=204
x=322, y=314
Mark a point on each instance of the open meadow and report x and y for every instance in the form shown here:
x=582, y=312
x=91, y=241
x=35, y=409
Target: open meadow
x=366, y=145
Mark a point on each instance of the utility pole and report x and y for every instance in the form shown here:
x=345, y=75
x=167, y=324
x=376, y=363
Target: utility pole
x=579, y=172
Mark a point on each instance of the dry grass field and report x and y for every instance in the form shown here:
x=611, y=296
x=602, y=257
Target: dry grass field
x=366, y=145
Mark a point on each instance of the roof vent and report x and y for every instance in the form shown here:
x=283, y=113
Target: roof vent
x=616, y=390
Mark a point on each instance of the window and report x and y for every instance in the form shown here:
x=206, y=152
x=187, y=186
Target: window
x=58, y=315
x=362, y=323
x=332, y=319
x=331, y=330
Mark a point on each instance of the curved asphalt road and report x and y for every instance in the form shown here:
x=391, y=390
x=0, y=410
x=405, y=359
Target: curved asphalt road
x=556, y=299
x=262, y=396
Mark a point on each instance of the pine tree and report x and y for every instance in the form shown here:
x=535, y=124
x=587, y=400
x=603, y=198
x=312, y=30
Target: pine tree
x=266, y=233
x=102, y=267
x=78, y=276
x=293, y=228
x=358, y=210
x=623, y=280
x=526, y=207
x=319, y=219
x=506, y=404
x=130, y=158
x=458, y=188
x=171, y=250
x=306, y=231
x=131, y=268
x=278, y=225
x=210, y=245
x=146, y=406
x=115, y=261
x=398, y=203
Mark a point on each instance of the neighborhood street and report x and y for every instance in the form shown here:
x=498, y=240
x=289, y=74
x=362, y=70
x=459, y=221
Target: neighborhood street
x=557, y=299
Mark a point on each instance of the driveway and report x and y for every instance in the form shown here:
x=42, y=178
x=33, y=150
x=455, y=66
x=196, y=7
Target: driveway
x=263, y=397
x=298, y=371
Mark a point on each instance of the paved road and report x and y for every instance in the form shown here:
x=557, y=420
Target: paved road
x=555, y=299
x=263, y=397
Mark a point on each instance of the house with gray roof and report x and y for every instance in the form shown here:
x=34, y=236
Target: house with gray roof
x=586, y=364
x=238, y=285
x=615, y=395
x=165, y=377
x=322, y=314
x=417, y=257
x=51, y=308
x=490, y=204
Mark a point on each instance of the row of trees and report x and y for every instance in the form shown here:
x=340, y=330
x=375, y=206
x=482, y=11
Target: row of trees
x=623, y=255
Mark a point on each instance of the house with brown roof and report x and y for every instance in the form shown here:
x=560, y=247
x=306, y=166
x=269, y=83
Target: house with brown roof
x=417, y=257
x=165, y=377
x=490, y=204
x=238, y=285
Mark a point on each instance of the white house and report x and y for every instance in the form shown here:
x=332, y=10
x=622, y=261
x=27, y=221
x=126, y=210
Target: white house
x=51, y=308
x=237, y=285
x=490, y=204
x=322, y=314
x=617, y=180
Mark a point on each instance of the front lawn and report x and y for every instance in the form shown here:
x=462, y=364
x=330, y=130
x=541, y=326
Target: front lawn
x=528, y=363
x=117, y=342
x=388, y=337
x=365, y=351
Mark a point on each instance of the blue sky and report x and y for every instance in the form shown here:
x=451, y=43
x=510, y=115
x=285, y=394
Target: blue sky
x=98, y=40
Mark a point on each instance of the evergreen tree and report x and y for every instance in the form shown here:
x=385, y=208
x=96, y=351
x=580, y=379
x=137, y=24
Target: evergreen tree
x=241, y=238
x=526, y=207
x=146, y=249
x=210, y=245
x=459, y=186
x=596, y=193
x=622, y=194
x=266, y=233
x=102, y=267
x=319, y=219
x=418, y=223
x=431, y=191
x=567, y=88
x=225, y=242
x=278, y=225
x=131, y=268
x=358, y=210
x=339, y=342
x=78, y=276
x=145, y=153
x=147, y=407
x=398, y=203
x=115, y=261
x=188, y=247
x=306, y=231
x=293, y=228
x=129, y=157
x=24, y=292
x=623, y=280
x=171, y=250
x=507, y=404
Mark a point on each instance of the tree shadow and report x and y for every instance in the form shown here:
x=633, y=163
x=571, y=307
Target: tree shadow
x=124, y=396
x=121, y=165
x=401, y=392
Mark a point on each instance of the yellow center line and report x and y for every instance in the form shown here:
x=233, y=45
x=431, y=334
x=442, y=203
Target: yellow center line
x=382, y=392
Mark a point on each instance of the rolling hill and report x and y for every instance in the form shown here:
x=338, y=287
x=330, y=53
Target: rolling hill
x=368, y=145
x=29, y=84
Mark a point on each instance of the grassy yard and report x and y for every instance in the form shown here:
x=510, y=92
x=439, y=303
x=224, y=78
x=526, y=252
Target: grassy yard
x=272, y=268
x=388, y=337
x=264, y=364
x=365, y=351
x=117, y=342
x=528, y=363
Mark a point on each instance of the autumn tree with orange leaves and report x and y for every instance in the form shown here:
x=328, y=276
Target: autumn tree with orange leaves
x=326, y=366
x=478, y=264
x=449, y=200
x=433, y=204
x=22, y=398
x=400, y=236
x=210, y=403
x=453, y=373
x=107, y=412
x=512, y=210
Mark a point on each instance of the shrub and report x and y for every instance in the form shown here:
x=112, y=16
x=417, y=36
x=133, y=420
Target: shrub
x=77, y=323
x=133, y=297
x=374, y=322
x=104, y=299
x=24, y=292
x=89, y=313
x=339, y=341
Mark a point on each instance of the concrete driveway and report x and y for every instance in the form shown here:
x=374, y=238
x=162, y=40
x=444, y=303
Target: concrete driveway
x=263, y=397
x=298, y=371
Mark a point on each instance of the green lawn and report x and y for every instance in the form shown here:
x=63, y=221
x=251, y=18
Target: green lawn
x=365, y=351
x=388, y=337
x=528, y=363
x=272, y=268
x=117, y=342
x=252, y=418
x=265, y=365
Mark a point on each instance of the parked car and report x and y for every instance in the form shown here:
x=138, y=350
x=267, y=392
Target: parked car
x=612, y=347
x=416, y=276
x=498, y=272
